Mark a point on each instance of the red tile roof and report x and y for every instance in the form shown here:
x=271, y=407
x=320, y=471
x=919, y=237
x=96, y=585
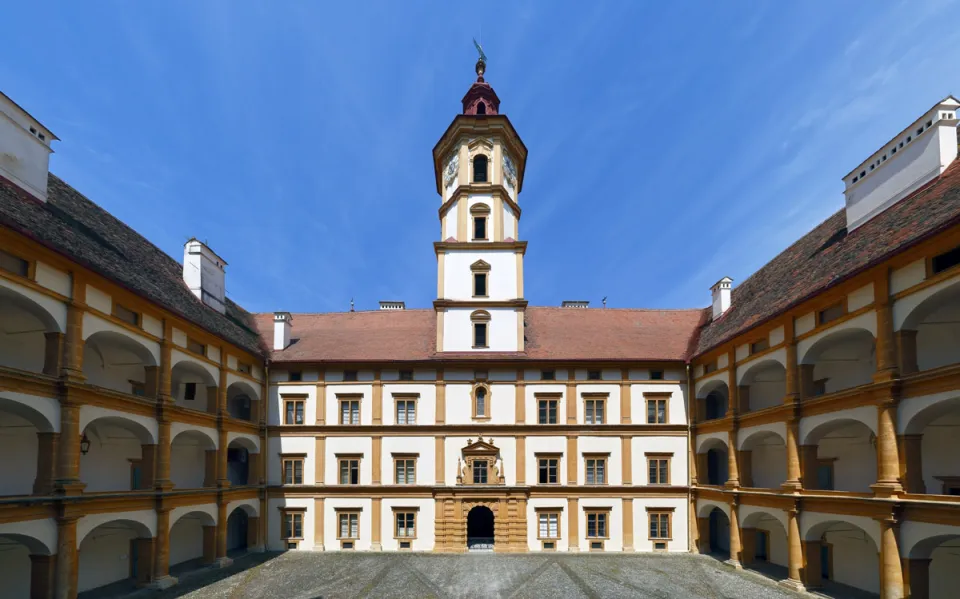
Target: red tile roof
x=551, y=334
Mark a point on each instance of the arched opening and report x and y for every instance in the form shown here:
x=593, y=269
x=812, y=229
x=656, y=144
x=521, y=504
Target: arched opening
x=242, y=462
x=193, y=461
x=480, y=168
x=242, y=402
x=840, y=455
x=763, y=461
x=930, y=335
x=29, y=335
x=713, y=462
x=929, y=446
x=763, y=386
x=186, y=542
x=22, y=560
x=237, y=530
x=481, y=107
x=845, y=555
x=116, y=553
x=718, y=531
x=116, y=460
x=713, y=401
x=763, y=542
x=839, y=361
x=480, y=529
x=934, y=567
x=117, y=361
x=28, y=435
x=193, y=387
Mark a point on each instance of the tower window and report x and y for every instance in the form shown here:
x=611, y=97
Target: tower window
x=481, y=108
x=480, y=320
x=480, y=227
x=480, y=169
x=480, y=284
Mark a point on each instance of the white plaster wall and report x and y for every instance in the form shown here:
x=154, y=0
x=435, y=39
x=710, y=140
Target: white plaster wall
x=146, y=518
x=424, y=447
x=939, y=448
x=53, y=279
x=47, y=408
x=612, y=415
x=179, y=337
x=906, y=277
x=330, y=524
x=553, y=445
x=705, y=506
x=107, y=466
x=608, y=445
x=26, y=158
x=252, y=442
x=744, y=434
x=251, y=506
x=856, y=559
x=742, y=351
x=769, y=462
x=425, y=521
x=93, y=324
x=211, y=434
x=306, y=445
x=186, y=539
x=452, y=452
x=426, y=402
x=865, y=414
x=679, y=472
x=676, y=404
x=855, y=467
x=450, y=218
x=104, y=558
x=614, y=522
x=866, y=321
x=554, y=503
x=704, y=386
x=938, y=338
x=778, y=541
x=178, y=356
x=680, y=523
x=22, y=344
x=501, y=330
x=501, y=280
x=804, y=324
x=509, y=223
x=250, y=388
x=188, y=456
x=944, y=570
x=55, y=308
x=275, y=403
x=99, y=300
x=366, y=402
x=530, y=400
x=776, y=336
x=860, y=297
x=348, y=445
x=18, y=437
x=702, y=440
x=273, y=541
x=15, y=569
x=195, y=511
x=151, y=325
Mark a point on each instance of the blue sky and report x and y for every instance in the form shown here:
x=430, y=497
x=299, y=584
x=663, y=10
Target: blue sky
x=670, y=143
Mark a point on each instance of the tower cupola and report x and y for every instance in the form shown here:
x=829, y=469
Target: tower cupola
x=480, y=98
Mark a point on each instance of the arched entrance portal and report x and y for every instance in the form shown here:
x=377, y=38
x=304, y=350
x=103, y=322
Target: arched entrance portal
x=480, y=529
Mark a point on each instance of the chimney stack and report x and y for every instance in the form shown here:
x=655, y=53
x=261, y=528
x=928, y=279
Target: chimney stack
x=204, y=273
x=24, y=149
x=721, y=296
x=282, y=325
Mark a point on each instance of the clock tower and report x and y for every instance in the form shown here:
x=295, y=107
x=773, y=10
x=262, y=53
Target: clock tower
x=479, y=164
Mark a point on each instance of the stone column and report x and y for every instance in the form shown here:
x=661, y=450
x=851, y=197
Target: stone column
x=733, y=472
x=911, y=458
x=376, y=528
x=888, y=460
x=627, y=524
x=736, y=549
x=161, y=552
x=67, y=565
x=165, y=376
x=46, y=463
x=703, y=528
x=794, y=552
x=68, y=449
x=72, y=361
x=573, y=524
x=222, y=480
x=891, y=572
x=812, y=573
x=53, y=353
x=222, y=560
x=809, y=466
x=917, y=572
x=906, y=344
x=794, y=473
x=41, y=576
x=748, y=541
x=792, y=368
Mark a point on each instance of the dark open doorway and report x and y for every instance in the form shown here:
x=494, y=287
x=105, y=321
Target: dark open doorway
x=480, y=529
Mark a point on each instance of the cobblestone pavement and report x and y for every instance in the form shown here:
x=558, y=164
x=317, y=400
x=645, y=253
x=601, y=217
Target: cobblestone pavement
x=304, y=575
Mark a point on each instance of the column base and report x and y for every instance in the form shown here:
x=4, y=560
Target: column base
x=627, y=549
x=732, y=484
x=318, y=548
x=887, y=490
x=573, y=549
x=376, y=547
x=734, y=563
x=256, y=549
x=164, y=582
x=793, y=585
x=791, y=486
x=69, y=488
x=222, y=562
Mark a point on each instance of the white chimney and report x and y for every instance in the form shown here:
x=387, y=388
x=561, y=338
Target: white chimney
x=204, y=273
x=282, y=325
x=575, y=304
x=385, y=305
x=24, y=148
x=721, y=296
x=911, y=159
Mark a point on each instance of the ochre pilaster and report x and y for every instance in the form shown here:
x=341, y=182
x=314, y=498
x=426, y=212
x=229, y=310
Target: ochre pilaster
x=53, y=353
x=318, y=517
x=521, y=457
x=377, y=399
x=571, y=401
x=626, y=459
x=73, y=337
x=161, y=549
x=221, y=537
x=794, y=551
x=626, y=401
x=375, y=524
x=793, y=370
x=319, y=460
x=573, y=524
x=68, y=449
x=376, y=465
x=794, y=472
x=222, y=480
x=520, y=407
x=885, y=346
x=812, y=573
x=573, y=460
x=627, y=524
x=321, y=399
x=441, y=393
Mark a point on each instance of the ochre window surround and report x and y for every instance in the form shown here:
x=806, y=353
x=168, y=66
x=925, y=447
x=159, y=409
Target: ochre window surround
x=292, y=468
x=480, y=215
x=480, y=321
x=658, y=468
x=480, y=397
x=598, y=527
x=291, y=523
x=348, y=469
x=660, y=524
x=405, y=523
x=405, y=408
x=294, y=409
x=595, y=468
x=405, y=468
x=658, y=407
x=480, y=164
x=595, y=408
x=348, y=407
x=348, y=527
x=549, y=527
x=548, y=407
x=548, y=468
x=480, y=278
x=481, y=464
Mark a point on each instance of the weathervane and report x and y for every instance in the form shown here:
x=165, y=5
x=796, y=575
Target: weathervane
x=481, y=62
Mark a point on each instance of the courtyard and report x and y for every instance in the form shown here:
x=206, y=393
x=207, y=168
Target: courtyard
x=306, y=575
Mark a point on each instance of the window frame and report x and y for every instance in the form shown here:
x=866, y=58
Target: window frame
x=549, y=457
x=596, y=458
x=351, y=511
x=487, y=395
x=30, y=266
x=659, y=513
x=287, y=534
x=655, y=398
x=405, y=375
x=480, y=318
x=486, y=471
x=405, y=457
x=347, y=458
x=594, y=398
x=196, y=348
x=351, y=376
x=548, y=375
x=544, y=398
x=294, y=400
x=293, y=459
x=405, y=511
x=657, y=375
x=403, y=398
x=348, y=399
x=486, y=168
x=658, y=456
x=824, y=319
x=295, y=376
x=594, y=375
x=597, y=512
x=549, y=511
x=118, y=313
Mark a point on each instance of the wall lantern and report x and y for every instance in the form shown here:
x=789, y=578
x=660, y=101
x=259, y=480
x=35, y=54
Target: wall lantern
x=84, y=444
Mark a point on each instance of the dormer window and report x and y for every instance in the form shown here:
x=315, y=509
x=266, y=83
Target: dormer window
x=480, y=169
x=480, y=320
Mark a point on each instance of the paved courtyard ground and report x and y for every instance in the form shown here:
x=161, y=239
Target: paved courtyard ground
x=303, y=575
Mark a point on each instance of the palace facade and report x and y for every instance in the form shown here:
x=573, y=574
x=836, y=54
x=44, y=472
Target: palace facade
x=805, y=424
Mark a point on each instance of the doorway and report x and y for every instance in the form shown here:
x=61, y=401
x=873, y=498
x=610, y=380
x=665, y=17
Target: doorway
x=480, y=529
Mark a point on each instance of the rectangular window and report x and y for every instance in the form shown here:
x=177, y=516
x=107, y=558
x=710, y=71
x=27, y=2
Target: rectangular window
x=196, y=347
x=659, y=525
x=548, y=375
x=405, y=470
x=292, y=471
x=126, y=315
x=293, y=411
x=14, y=264
x=137, y=388
x=480, y=334
x=549, y=468
x=406, y=411
x=349, y=411
x=945, y=260
x=406, y=524
x=656, y=375
x=406, y=375
x=349, y=471
x=480, y=402
x=759, y=346
x=830, y=313
x=597, y=525
x=596, y=470
x=547, y=411
x=656, y=410
x=548, y=525
x=594, y=410
x=295, y=376
x=244, y=368
x=479, y=227
x=709, y=367
x=189, y=391
x=479, y=472
x=292, y=525
x=350, y=375
x=658, y=468
x=593, y=375
x=348, y=525
x=480, y=284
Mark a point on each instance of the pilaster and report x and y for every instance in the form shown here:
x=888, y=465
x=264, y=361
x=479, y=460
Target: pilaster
x=627, y=511
x=626, y=401
x=573, y=524
x=318, y=521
